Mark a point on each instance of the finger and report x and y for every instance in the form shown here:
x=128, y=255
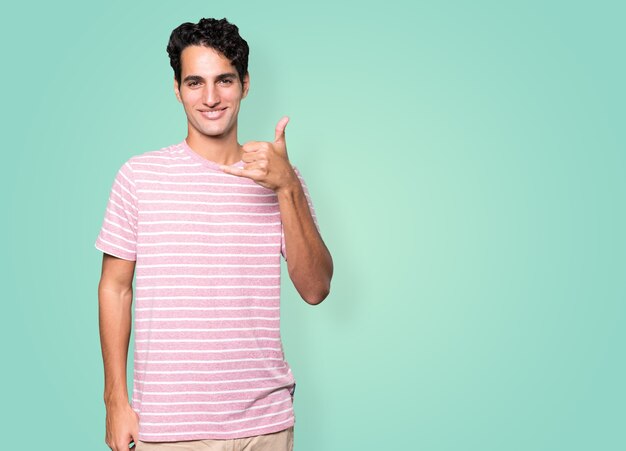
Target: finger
x=280, y=129
x=251, y=146
x=258, y=167
x=133, y=435
x=249, y=157
x=239, y=172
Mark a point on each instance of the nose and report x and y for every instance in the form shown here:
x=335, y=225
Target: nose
x=211, y=96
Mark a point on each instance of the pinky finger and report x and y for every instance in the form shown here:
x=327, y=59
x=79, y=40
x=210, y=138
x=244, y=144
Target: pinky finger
x=230, y=169
x=240, y=172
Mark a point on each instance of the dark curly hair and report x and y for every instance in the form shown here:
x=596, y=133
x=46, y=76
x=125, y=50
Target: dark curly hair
x=220, y=35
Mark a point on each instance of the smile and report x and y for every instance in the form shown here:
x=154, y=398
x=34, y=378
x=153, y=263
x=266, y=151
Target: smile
x=213, y=114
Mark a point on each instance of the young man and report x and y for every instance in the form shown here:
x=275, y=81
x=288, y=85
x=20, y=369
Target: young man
x=204, y=223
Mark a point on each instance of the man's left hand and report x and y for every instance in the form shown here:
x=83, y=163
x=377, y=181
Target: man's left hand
x=267, y=163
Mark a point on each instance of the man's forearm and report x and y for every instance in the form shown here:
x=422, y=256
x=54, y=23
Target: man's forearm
x=308, y=259
x=115, y=325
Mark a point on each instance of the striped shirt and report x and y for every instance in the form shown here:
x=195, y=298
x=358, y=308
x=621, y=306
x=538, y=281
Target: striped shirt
x=208, y=355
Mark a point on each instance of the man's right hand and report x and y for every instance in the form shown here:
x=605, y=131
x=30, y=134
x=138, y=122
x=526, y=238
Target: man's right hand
x=122, y=424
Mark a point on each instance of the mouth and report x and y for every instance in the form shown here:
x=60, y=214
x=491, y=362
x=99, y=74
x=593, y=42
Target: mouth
x=213, y=114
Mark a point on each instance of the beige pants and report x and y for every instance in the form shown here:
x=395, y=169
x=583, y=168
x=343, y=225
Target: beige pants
x=276, y=441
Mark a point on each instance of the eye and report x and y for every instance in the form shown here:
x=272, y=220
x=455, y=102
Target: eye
x=227, y=81
x=192, y=83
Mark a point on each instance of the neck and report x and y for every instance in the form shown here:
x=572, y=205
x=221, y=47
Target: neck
x=220, y=149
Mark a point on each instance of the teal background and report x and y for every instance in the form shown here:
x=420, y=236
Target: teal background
x=466, y=162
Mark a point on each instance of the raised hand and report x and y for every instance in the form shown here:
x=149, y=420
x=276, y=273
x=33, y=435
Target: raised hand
x=267, y=163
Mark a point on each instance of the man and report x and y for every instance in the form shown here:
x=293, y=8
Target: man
x=205, y=221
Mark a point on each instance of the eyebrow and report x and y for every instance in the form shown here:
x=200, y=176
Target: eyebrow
x=218, y=78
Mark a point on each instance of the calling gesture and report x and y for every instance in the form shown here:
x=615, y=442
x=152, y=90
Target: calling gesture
x=267, y=163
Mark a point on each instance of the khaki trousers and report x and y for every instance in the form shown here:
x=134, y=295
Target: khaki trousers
x=276, y=441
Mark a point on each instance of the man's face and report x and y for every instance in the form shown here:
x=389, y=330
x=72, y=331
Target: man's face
x=210, y=91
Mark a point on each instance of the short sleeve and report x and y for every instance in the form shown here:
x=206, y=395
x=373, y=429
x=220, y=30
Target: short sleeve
x=283, y=249
x=118, y=234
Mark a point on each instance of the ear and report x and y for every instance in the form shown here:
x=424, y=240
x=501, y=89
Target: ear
x=177, y=91
x=246, y=84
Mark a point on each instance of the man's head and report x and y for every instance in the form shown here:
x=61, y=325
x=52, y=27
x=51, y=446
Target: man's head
x=220, y=35
x=210, y=62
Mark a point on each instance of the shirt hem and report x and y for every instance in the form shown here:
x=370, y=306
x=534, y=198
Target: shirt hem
x=114, y=252
x=225, y=436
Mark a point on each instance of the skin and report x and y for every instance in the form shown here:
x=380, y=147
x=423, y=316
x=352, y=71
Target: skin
x=210, y=82
x=115, y=297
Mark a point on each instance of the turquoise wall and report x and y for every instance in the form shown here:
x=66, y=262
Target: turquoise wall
x=467, y=170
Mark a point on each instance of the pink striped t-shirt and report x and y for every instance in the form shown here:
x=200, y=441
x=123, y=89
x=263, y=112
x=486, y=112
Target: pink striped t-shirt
x=208, y=355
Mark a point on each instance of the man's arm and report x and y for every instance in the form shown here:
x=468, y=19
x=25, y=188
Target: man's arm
x=309, y=262
x=115, y=297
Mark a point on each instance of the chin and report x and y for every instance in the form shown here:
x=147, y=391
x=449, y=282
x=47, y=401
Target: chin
x=208, y=131
x=213, y=133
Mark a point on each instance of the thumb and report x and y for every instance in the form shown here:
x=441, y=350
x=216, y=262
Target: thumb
x=280, y=129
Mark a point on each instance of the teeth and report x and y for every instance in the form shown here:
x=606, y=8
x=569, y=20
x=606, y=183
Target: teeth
x=212, y=113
